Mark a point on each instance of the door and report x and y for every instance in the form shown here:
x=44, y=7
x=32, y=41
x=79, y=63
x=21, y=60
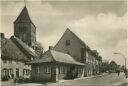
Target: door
x=17, y=73
x=72, y=72
x=54, y=74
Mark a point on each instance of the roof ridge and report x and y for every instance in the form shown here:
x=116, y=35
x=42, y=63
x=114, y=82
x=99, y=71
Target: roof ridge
x=18, y=44
x=52, y=55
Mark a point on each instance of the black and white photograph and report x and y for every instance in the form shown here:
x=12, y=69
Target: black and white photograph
x=63, y=43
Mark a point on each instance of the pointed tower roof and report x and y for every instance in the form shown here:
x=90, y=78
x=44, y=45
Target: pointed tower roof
x=23, y=16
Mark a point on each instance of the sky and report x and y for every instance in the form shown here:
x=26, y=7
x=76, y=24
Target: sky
x=100, y=24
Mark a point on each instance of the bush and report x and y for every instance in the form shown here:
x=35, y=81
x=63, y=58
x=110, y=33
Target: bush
x=5, y=78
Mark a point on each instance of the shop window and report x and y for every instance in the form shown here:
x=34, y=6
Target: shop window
x=86, y=54
x=4, y=61
x=10, y=61
x=47, y=69
x=24, y=72
x=68, y=52
x=68, y=42
x=63, y=70
x=59, y=70
x=80, y=70
x=37, y=69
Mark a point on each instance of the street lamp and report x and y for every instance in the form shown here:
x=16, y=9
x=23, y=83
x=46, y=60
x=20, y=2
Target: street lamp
x=123, y=57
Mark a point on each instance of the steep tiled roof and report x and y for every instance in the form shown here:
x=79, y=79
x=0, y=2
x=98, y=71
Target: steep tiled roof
x=23, y=47
x=55, y=56
x=10, y=51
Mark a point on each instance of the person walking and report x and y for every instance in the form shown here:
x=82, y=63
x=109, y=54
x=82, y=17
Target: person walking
x=118, y=72
x=126, y=73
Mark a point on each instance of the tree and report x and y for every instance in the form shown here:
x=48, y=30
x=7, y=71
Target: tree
x=39, y=49
x=104, y=66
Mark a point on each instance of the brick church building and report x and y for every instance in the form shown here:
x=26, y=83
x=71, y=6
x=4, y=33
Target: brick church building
x=25, y=29
x=19, y=48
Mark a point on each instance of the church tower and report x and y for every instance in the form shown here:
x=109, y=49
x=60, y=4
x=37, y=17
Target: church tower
x=24, y=28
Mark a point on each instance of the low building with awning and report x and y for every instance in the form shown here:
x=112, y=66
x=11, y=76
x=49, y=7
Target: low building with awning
x=54, y=66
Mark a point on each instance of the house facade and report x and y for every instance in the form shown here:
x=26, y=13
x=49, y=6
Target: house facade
x=13, y=59
x=55, y=66
x=74, y=46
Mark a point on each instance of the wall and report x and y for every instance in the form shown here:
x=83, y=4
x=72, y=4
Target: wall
x=13, y=65
x=42, y=75
x=74, y=48
x=56, y=72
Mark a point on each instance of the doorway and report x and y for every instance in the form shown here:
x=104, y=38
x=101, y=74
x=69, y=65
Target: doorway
x=17, y=73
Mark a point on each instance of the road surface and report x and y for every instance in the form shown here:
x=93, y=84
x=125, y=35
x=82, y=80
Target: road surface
x=105, y=80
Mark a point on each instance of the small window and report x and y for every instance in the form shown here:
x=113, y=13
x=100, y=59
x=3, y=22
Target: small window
x=11, y=71
x=24, y=71
x=67, y=42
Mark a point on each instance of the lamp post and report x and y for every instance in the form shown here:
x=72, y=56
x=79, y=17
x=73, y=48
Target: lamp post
x=123, y=57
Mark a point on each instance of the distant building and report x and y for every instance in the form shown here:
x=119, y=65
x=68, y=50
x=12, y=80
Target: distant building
x=97, y=63
x=113, y=67
x=74, y=46
x=55, y=66
x=14, y=55
x=104, y=66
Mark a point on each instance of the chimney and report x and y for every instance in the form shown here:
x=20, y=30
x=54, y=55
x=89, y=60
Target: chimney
x=2, y=35
x=50, y=47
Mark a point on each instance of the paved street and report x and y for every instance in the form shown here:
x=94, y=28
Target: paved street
x=105, y=80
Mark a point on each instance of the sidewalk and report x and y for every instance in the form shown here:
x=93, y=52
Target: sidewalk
x=84, y=77
x=61, y=82
x=7, y=83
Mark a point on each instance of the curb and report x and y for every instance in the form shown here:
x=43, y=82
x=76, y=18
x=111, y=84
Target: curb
x=91, y=77
x=79, y=78
x=123, y=84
